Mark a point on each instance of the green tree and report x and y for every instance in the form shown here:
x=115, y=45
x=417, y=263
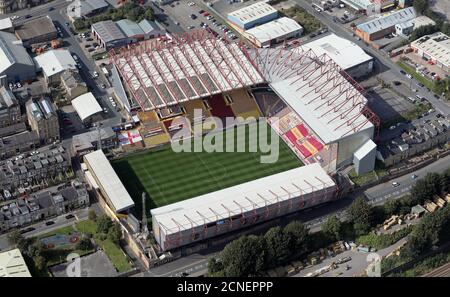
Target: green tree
x=84, y=244
x=420, y=5
x=40, y=262
x=391, y=207
x=115, y=233
x=278, y=245
x=14, y=237
x=360, y=213
x=244, y=257
x=92, y=215
x=214, y=266
x=332, y=227
x=103, y=224
x=426, y=188
x=299, y=237
x=35, y=249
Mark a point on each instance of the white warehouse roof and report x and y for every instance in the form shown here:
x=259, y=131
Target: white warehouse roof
x=366, y=148
x=109, y=181
x=254, y=194
x=12, y=264
x=253, y=12
x=275, y=29
x=344, y=52
x=436, y=45
x=86, y=105
x=55, y=61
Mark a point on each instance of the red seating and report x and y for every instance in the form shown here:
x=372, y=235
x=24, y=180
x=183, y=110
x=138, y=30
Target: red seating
x=303, y=150
x=315, y=143
x=291, y=137
x=302, y=129
x=219, y=108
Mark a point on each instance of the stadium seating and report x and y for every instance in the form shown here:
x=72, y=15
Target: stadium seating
x=219, y=108
x=317, y=145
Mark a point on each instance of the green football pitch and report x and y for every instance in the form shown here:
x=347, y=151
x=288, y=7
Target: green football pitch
x=168, y=177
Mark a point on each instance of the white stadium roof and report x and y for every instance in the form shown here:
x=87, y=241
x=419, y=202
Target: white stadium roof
x=344, y=52
x=160, y=77
x=109, y=181
x=55, y=61
x=244, y=197
x=315, y=88
x=86, y=105
x=274, y=29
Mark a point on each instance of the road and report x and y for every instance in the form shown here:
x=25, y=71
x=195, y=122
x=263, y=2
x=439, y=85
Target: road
x=391, y=72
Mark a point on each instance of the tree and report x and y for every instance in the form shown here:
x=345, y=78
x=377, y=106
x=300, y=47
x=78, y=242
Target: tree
x=214, y=266
x=426, y=188
x=115, y=233
x=299, y=236
x=278, y=245
x=103, y=224
x=332, y=227
x=391, y=207
x=92, y=215
x=14, y=237
x=420, y=5
x=243, y=257
x=84, y=244
x=35, y=249
x=361, y=215
x=40, y=262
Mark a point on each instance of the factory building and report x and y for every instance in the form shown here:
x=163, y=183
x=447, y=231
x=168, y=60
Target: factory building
x=252, y=15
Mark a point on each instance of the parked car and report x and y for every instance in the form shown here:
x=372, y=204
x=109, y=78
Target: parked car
x=413, y=176
x=193, y=16
x=395, y=184
x=397, y=83
x=69, y=216
x=49, y=223
x=403, y=72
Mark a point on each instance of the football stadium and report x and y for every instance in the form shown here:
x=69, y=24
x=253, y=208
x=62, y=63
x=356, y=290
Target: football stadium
x=318, y=112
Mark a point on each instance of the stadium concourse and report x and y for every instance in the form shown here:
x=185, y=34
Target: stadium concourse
x=312, y=104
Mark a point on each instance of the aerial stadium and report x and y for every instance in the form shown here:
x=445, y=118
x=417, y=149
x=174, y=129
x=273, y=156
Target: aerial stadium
x=318, y=112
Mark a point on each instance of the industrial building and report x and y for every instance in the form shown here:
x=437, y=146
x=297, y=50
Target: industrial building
x=381, y=26
x=9, y=108
x=87, y=107
x=18, y=142
x=349, y=56
x=12, y=264
x=435, y=48
x=113, y=34
x=240, y=206
x=80, y=9
x=370, y=7
x=109, y=185
x=274, y=32
x=53, y=63
x=37, y=31
x=15, y=63
x=43, y=118
x=252, y=16
x=73, y=84
x=88, y=142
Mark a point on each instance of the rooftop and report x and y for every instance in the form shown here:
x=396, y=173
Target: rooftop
x=253, y=12
x=344, y=52
x=436, y=45
x=7, y=98
x=258, y=193
x=12, y=264
x=388, y=20
x=108, y=31
x=36, y=27
x=129, y=28
x=41, y=108
x=86, y=105
x=274, y=29
x=12, y=52
x=109, y=181
x=81, y=8
x=55, y=61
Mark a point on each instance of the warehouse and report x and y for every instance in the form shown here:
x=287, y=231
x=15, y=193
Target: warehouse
x=274, y=32
x=241, y=206
x=87, y=107
x=252, y=15
x=80, y=9
x=343, y=52
x=110, y=186
x=435, y=47
x=384, y=25
x=15, y=63
x=108, y=34
x=53, y=63
x=37, y=31
x=12, y=264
